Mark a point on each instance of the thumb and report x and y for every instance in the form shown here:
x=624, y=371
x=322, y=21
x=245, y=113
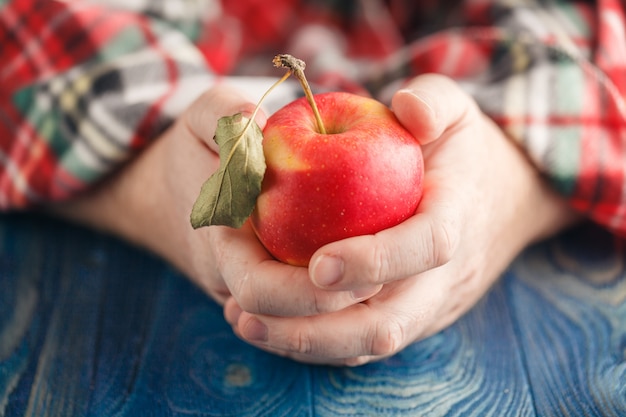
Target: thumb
x=429, y=105
x=222, y=100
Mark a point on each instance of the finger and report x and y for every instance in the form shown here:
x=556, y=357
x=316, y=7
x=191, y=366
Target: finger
x=316, y=360
x=377, y=328
x=425, y=241
x=221, y=100
x=232, y=313
x=429, y=105
x=430, y=238
x=262, y=285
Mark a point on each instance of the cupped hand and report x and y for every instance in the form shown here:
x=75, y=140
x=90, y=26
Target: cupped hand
x=483, y=203
x=149, y=203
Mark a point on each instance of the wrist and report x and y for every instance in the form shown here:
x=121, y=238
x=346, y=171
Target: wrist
x=539, y=211
x=133, y=204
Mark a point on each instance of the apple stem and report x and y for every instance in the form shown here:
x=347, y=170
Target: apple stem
x=296, y=67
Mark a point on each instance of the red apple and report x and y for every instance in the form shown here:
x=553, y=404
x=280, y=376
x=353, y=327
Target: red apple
x=364, y=175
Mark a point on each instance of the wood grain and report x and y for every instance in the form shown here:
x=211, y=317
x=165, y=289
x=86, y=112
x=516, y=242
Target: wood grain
x=90, y=326
x=569, y=299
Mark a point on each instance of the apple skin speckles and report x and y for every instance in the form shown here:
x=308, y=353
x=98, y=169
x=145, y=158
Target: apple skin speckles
x=363, y=176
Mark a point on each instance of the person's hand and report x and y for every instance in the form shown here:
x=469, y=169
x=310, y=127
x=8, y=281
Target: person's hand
x=149, y=203
x=483, y=203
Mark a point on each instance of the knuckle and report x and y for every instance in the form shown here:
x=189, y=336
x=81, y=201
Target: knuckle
x=317, y=304
x=324, y=302
x=378, y=263
x=387, y=338
x=444, y=242
x=251, y=300
x=300, y=343
x=245, y=294
x=298, y=303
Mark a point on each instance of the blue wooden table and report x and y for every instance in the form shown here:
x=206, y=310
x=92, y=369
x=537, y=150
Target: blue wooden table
x=90, y=326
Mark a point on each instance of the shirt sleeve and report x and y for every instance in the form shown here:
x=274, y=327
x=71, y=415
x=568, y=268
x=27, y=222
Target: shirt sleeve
x=556, y=83
x=82, y=88
x=552, y=75
x=571, y=112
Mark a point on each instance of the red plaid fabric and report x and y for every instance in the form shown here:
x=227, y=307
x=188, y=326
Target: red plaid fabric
x=86, y=84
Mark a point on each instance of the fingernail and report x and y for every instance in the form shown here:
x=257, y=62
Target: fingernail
x=255, y=331
x=421, y=96
x=365, y=293
x=425, y=98
x=327, y=270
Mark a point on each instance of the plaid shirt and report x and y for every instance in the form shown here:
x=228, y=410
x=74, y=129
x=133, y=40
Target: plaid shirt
x=86, y=84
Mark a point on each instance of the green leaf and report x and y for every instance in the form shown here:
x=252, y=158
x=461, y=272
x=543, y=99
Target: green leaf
x=228, y=197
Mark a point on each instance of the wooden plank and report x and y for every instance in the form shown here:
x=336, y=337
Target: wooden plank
x=569, y=301
x=92, y=326
x=120, y=333
x=20, y=321
x=193, y=365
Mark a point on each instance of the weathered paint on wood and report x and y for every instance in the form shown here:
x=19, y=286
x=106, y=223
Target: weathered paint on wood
x=90, y=326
